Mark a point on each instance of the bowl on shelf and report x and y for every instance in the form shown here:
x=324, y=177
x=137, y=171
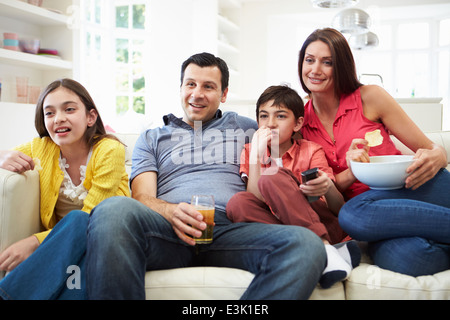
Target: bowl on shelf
x=29, y=46
x=383, y=172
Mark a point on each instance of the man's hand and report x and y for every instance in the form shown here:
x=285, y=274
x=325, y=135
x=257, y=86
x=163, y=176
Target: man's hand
x=186, y=222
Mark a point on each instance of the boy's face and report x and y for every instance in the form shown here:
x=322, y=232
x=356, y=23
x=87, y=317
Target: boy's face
x=201, y=93
x=280, y=120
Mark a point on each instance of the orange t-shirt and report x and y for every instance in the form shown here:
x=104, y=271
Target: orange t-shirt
x=301, y=156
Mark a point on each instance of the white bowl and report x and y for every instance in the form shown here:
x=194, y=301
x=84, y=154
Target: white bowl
x=383, y=172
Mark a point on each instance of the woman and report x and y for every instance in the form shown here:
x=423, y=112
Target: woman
x=405, y=227
x=80, y=166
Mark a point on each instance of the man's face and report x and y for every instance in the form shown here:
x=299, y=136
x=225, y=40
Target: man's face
x=201, y=93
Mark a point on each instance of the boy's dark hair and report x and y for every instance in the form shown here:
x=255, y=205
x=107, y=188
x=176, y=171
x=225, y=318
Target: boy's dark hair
x=282, y=96
x=208, y=60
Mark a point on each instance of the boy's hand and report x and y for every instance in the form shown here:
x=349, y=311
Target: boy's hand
x=318, y=186
x=260, y=141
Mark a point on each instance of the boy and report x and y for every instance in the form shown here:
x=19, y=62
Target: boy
x=272, y=165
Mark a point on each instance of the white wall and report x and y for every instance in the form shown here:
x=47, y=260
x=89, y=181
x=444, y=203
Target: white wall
x=273, y=32
x=179, y=29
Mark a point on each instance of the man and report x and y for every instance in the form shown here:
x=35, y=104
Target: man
x=197, y=154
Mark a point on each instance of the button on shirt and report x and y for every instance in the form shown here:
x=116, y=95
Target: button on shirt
x=350, y=123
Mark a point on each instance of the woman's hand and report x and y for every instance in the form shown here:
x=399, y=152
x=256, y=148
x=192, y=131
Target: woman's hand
x=357, y=154
x=16, y=161
x=427, y=164
x=17, y=253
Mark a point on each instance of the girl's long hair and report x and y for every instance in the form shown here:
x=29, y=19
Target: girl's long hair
x=94, y=133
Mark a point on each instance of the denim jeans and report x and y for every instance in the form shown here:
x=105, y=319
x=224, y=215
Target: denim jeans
x=126, y=239
x=404, y=227
x=56, y=269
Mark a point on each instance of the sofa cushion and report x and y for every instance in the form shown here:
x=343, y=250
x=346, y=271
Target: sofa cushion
x=369, y=282
x=212, y=283
x=198, y=283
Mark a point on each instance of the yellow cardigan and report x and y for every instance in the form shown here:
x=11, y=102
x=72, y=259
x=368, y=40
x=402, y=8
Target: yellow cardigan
x=105, y=176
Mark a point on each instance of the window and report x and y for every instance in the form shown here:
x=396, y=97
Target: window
x=113, y=52
x=413, y=35
x=129, y=53
x=413, y=59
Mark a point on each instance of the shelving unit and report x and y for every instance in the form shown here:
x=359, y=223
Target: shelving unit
x=32, y=22
x=33, y=61
x=228, y=43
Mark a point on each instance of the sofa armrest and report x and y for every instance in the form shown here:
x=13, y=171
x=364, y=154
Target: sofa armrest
x=440, y=137
x=19, y=206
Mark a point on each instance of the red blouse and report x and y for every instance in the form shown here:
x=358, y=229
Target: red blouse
x=350, y=123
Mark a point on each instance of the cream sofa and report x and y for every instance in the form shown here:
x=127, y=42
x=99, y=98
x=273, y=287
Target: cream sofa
x=19, y=217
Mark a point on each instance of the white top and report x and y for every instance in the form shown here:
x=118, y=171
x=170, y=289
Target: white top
x=71, y=197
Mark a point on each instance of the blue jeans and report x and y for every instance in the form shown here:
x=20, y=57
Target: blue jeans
x=404, y=227
x=126, y=239
x=56, y=269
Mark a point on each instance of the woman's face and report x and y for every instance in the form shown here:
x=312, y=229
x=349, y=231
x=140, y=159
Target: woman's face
x=317, y=73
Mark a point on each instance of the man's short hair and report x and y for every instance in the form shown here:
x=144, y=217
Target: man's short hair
x=208, y=60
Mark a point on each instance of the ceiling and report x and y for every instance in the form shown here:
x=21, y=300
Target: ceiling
x=417, y=8
x=305, y=4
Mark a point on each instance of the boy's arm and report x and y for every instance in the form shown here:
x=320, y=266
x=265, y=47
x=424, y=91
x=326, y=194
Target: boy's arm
x=254, y=174
x=324, y=185
x=183, y=217
x=258, y=147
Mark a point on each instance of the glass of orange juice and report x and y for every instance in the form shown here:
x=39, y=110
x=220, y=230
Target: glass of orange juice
x=205, y=205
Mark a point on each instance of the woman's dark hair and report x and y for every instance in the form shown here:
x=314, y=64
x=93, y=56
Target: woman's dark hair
x=344, y=69
x=208, y=60
x=94, y=133
x=282, y=96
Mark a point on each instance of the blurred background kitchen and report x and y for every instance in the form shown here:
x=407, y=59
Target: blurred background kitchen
x=128, y=53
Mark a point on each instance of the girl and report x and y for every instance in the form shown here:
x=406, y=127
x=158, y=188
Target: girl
x=80, y=165
x=407, y=229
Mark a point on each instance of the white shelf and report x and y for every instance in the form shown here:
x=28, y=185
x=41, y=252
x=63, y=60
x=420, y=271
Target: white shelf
x=234, y=4
x=33, y=22
x=227, y=25
x=23, y=11
x=33, y=61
